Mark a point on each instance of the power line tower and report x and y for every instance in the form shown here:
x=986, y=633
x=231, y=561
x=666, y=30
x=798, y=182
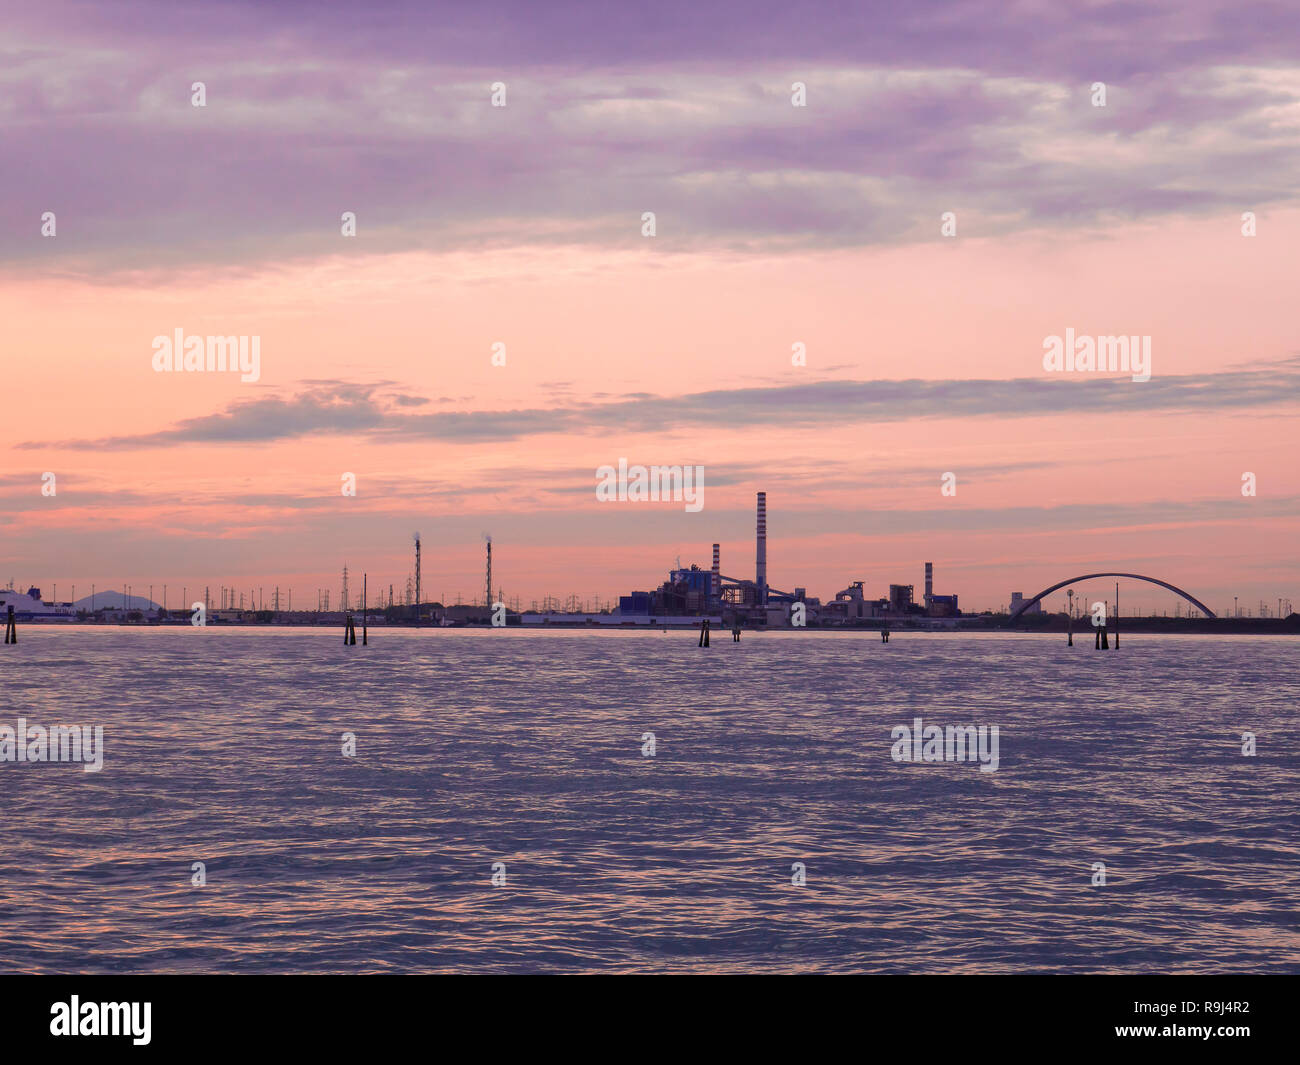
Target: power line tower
x=345, y=589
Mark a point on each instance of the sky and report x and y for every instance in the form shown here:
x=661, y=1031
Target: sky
x=949, y=195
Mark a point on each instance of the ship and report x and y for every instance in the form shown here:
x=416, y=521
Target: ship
x=29, y=606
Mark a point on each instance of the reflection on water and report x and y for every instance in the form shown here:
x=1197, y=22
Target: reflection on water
x=224, y=746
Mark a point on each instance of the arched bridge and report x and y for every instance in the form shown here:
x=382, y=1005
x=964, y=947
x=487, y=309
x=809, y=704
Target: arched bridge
x=1132, y=576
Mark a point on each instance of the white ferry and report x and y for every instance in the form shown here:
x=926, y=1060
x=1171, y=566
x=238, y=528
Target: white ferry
x=29, y=605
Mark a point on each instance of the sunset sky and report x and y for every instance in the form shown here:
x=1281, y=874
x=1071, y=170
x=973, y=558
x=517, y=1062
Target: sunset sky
x=776, y=225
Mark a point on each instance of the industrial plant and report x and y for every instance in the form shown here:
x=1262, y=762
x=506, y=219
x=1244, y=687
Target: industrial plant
x=690, y=596
x=694, y=593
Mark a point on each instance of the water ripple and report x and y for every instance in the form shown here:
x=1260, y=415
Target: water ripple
x=223, y=747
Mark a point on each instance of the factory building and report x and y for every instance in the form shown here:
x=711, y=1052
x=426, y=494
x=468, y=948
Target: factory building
x=686, y=591
x=943, y=606
x=938, y=606
x=692, y=591
x=900, y=598
x=638, y=603
x=851, y=604
x=1018, y=598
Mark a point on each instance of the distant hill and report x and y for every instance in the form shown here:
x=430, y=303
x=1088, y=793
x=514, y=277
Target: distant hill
x=111, y=600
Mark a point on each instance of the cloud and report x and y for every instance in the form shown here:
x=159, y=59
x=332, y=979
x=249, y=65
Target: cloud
x=576, y=35
x=911, y=111
x=334, y=407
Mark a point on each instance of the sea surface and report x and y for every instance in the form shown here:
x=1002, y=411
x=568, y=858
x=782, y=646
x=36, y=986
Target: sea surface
x=224, y=746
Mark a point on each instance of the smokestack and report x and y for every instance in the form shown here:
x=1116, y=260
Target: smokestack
x=715, y=585
x=929, y=582
x=760, y=550
x=417, y=577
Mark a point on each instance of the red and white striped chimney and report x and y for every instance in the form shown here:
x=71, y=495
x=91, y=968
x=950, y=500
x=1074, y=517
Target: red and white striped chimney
x=716, y=583
x=760, y=550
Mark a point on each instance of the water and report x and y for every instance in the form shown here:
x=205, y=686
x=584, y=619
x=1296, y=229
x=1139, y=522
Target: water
x=475, y=747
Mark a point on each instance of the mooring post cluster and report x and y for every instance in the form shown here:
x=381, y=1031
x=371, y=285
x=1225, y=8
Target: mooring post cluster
x=349, y=623
x=1102, y=643
x=11, y=629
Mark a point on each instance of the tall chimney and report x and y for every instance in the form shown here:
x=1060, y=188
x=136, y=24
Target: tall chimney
x=929, y=583
x=715, y=586
x=760, y=550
